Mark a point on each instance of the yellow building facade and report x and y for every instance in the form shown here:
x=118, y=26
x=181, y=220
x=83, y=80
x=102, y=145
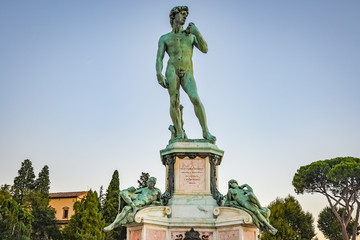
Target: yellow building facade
x=63, y=203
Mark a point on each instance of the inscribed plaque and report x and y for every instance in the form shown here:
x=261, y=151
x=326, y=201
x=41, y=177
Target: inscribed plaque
x=192, y=174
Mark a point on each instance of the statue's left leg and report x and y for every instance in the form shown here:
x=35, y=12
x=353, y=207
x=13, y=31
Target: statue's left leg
x=253, y=199
x=189, y=86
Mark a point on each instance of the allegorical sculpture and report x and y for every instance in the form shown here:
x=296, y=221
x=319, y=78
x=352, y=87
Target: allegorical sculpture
x=179, y=44
x=243, y=197
x=135, y=200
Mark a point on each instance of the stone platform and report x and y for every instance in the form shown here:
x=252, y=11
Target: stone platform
x=192, y=199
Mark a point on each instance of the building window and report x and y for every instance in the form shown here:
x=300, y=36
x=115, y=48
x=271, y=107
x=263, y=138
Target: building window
x=65, y=212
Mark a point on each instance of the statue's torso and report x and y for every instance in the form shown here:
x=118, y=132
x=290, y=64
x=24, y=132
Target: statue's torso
x=149, y=195
x=179, y=47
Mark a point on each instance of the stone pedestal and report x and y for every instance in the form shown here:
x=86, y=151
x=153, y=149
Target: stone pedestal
x=192, y=200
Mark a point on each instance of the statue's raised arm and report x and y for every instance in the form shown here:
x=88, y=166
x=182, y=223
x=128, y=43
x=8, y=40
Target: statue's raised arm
x=199, y=41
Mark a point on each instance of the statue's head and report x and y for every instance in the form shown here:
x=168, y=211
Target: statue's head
x=131, y=189
x=151, y=182
x=232, y=183
x=176, y=10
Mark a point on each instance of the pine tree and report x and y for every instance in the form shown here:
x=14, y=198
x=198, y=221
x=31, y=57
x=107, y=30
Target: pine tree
x=338, y=180
x=87, y=222
x=44, y=225
x=143, y=179
x=111, y=206
x=24, y=183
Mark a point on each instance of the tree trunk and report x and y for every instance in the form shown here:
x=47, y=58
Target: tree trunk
x=344, y=233
x=356, y=222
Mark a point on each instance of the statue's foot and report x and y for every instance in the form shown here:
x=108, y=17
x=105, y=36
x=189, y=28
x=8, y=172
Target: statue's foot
x=273, y=230
x=109, y=228
x=209, y=137
x=180, y=135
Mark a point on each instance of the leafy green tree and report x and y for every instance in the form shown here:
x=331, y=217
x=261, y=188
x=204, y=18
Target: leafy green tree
x=143, y=179
x=111, y=206
x=5, y=192
x=338, y=179
x=15, y=221
x=290, y=220
x=24, y=183
x=330, y=226
x=44, y=225
x=87, y=222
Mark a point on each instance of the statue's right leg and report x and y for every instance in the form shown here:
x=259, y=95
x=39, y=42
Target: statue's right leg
x=175, y=113
x=264, y=221
x=118, y=219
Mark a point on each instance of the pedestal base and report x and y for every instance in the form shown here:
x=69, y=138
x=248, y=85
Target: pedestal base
x=156, y=223
x=192, y=200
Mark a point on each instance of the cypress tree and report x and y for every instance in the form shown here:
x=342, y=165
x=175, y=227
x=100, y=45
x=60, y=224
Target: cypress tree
x=111, y=206
x=87, y=222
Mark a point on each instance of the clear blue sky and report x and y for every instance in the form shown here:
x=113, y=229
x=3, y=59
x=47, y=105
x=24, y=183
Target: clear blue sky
x=78, y=91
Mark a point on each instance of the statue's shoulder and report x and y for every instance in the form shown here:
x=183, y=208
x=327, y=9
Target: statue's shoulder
x=165, y=36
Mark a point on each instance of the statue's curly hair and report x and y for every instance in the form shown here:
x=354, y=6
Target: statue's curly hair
x=232, y=181
x=152, y=179
x=176, y=10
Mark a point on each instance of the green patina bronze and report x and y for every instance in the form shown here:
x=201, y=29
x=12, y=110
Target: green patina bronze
x=135, y=200
x=243, y=197
x=179, y=44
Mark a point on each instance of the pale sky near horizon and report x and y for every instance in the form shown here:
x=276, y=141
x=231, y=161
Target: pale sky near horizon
x=78, y=91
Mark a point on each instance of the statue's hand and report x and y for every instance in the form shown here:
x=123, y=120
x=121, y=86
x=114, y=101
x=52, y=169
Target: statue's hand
x=162, y=80
x=134, y=208
x=156, y=203
x=243, y=186
x=192, y=29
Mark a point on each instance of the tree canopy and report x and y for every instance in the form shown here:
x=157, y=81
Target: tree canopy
x=338, y=179
x=290, y=220
x=330, y=226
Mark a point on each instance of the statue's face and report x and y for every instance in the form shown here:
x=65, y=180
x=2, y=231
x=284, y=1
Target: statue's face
x=233, y=185
x=151, y=184
x=181, y=17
